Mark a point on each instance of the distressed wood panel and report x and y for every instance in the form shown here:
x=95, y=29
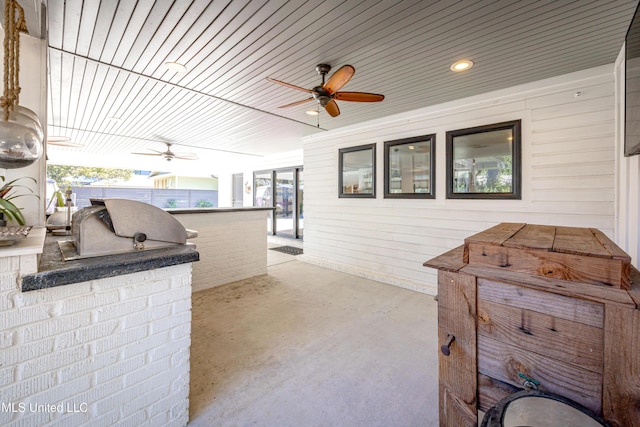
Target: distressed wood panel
x=598, y=294
x=575, y=268
x=533, y=236
x=491, y=391
x=560, y=306
x=505, y=362
x=634, y=292
x=457, y=372
x=495, y=235
x=621, y=399
x=451, y=261
x=615, y=250
x=578, y=241
x=542, y=334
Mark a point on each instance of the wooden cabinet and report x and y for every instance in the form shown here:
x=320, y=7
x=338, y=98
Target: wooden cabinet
x=557, y=308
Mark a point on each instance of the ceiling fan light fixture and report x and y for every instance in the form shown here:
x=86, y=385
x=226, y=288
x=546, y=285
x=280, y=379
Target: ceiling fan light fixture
x=462, y=65
x=169, y=155
x=329, y=92
x=175, y=66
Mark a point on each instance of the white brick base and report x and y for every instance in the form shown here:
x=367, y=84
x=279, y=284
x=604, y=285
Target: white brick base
x=108, y=352
x=232, y=246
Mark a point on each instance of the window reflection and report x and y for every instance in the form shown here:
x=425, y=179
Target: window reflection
x=357, y=171
x=409, y=167
x=483, y=162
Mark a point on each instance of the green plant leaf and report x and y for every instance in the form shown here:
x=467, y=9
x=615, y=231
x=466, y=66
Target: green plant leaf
x=11, y=211
x=11, y=183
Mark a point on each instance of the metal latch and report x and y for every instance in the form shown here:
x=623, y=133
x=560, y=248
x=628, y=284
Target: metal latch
x=138, y=240
x=529, y=383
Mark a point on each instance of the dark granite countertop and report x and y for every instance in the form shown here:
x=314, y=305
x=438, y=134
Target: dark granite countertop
x=54, y=271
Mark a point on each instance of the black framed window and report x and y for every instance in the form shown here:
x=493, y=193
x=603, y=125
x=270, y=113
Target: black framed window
x=357, y=171
x=484, y=162
x=409, y=168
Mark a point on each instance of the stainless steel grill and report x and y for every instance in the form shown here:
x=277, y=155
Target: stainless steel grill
x=112, y=226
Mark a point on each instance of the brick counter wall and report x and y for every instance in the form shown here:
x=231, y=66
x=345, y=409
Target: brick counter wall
x=232, y=246
x=106, y=352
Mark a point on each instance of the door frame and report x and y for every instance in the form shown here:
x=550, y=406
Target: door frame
x=233, y=189
x=296, y=177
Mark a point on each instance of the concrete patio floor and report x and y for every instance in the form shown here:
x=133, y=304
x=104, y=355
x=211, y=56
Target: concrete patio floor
x=308, y=346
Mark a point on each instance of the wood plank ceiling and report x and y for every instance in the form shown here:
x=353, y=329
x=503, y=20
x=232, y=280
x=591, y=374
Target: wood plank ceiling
x=110, y=91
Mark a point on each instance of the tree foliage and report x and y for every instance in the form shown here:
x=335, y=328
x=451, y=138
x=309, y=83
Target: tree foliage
x=68, y=175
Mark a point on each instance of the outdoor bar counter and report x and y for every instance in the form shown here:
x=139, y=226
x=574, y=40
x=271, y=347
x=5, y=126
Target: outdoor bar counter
x=94, y=338
x=232, y=243
x=53, y=270
x=109, y=336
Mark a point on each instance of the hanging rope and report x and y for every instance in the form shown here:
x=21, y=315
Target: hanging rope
x=20, y=25
x=12, y=51
x=11, y=94
x=5, y=101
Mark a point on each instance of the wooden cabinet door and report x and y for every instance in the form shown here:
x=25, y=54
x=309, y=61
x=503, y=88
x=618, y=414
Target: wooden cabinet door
x=458, y=370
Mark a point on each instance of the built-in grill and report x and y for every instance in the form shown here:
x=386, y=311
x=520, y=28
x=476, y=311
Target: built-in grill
x=113, y=226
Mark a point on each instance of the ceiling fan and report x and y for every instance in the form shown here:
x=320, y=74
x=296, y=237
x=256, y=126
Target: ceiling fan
x=170, y=155
x=327, y=93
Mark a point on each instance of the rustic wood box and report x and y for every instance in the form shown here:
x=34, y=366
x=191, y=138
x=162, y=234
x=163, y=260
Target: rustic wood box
x=559, y=305
x=584, y=255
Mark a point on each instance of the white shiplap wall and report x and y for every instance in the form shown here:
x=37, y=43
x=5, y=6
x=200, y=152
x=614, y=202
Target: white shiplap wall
x=568, y=179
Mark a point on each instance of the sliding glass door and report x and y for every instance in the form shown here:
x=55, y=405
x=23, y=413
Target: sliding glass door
x=263, y=194
x=299, y=205
x=283, y=190
x=285, y=208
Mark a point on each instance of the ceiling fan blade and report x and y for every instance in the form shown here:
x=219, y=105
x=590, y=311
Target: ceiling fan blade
x=339, y=78
x=289, y=85
x=65, y=144
x=296, y=103
x=358, y=97
x=332, y=108
x=62, y=141
x=186, y=156
x=148, y=154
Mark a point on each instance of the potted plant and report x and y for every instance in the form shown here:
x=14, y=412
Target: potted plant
x=57, y=201
x=8, y=210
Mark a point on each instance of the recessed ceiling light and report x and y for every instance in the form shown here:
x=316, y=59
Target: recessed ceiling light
x=312, y=112
x=462, y=65
x=175, y=66
x=411, y=147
